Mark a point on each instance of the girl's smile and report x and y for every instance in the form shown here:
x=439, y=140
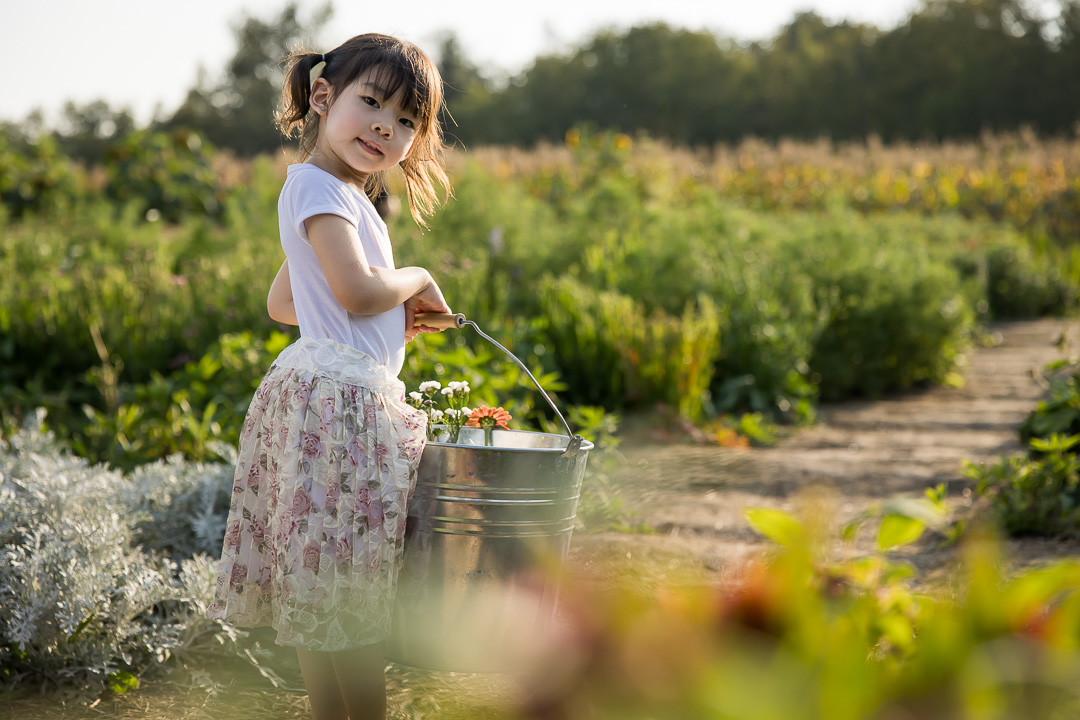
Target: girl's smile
x=369, y=146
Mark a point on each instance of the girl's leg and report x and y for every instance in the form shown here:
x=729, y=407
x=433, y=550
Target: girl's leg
x=322, y=685
x=361, y=677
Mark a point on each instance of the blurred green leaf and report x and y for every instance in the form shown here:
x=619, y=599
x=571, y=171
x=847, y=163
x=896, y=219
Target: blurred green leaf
x=779, y=526
x=898, y=530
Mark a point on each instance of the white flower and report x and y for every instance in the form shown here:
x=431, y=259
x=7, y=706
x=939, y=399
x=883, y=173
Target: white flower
x=466, y=412
x=436, y=416
x=448, y=391
x=416, y=396
x=451, y=414
x=454, y=385
x=430, y=385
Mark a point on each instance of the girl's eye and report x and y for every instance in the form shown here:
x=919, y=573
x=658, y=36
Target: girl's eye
x=407, y=122
x=371, y=101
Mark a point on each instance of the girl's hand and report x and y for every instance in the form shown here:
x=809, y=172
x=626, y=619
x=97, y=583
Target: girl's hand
x=429, y=299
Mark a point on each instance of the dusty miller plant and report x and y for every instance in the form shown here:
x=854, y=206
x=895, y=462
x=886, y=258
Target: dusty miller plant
x=181, y=507
x=83, y=609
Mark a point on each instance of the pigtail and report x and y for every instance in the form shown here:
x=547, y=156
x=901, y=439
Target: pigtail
x=294, y=116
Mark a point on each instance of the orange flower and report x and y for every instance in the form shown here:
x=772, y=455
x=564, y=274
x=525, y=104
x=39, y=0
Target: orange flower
x=488, y=417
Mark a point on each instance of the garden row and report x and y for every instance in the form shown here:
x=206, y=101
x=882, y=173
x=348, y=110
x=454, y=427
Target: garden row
x=624, y=289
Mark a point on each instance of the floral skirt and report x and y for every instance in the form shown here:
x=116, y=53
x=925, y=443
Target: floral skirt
x=326, y=467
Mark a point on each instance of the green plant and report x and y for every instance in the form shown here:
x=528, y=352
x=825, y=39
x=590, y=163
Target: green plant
x=808, y=633
x=755, y=427
x=34, y=176
x=1057, y=414
x=165, y=175
x=895, y=318
x=617, y=355
x=1034, y=495
x=196, y=411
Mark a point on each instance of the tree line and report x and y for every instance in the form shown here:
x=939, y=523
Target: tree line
x=952, y=69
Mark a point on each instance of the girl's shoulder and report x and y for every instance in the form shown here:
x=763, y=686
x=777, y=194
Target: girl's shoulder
x=300, y=176
x=308, y=178
x=309, y=190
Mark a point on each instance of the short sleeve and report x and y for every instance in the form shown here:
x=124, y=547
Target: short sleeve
x=318, y=193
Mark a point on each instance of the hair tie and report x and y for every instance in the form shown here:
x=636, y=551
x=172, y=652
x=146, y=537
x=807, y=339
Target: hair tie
x=317, y=70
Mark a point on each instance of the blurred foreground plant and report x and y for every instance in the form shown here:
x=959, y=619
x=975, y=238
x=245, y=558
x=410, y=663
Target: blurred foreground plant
x=807, y=634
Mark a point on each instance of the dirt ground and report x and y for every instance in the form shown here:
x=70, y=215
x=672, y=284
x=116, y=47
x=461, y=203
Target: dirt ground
x=860, y=453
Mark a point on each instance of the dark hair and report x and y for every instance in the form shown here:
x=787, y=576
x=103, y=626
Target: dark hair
x=400, y=66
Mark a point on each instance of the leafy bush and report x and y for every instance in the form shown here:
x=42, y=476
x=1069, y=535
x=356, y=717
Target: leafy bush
x=197, y=411
x=164, y=175
x=156, y=297
x=1017, y=282
x=1057, y=414
x=34, y=176
x=83, y=609
x=180, y=508
x=1038, y=494
x=618, y=355
x=895, y=318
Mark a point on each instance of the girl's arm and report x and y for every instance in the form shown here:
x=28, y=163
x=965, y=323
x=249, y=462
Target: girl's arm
x=366, y=290
x=279, y=303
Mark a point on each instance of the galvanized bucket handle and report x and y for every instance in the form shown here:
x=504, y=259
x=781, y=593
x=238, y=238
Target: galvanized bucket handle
x=447, y=321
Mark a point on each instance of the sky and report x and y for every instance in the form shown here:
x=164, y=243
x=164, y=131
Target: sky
x=145, y=54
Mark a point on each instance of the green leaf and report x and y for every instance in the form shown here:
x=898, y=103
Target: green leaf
x=1054, y=421
x=122, y=681
x=1055, y=443
x=924, y=510
x=777, y=525
x=898, y=530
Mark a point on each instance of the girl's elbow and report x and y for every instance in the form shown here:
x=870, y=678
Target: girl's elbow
x=360, y=298
x=284, y=313
x=359, y=305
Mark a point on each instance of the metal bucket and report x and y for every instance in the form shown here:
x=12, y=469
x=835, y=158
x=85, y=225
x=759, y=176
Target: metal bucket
x=488, y=529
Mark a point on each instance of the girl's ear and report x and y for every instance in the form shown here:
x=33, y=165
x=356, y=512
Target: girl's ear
x=320, y=96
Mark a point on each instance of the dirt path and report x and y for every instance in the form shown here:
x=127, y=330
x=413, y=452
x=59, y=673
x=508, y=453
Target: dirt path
x=861, y=452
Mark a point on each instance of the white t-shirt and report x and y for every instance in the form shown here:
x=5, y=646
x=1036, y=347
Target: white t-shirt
x=310, y=191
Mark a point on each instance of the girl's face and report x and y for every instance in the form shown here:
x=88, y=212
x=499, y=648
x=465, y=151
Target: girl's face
x=362, y=130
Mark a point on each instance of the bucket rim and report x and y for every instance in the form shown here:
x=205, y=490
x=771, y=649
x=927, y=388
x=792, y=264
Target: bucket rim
x=586, y=445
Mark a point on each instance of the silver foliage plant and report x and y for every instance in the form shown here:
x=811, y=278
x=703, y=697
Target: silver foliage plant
x=104, y=577
x=180, y=507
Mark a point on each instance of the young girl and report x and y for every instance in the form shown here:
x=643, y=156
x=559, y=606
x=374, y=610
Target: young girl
x=329, y=450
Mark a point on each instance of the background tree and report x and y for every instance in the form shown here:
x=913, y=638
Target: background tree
x=86, y=130
x=465, y=88
x=953, y=69
x=238, y=112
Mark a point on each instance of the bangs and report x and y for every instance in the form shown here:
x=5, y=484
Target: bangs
x=394, y=70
